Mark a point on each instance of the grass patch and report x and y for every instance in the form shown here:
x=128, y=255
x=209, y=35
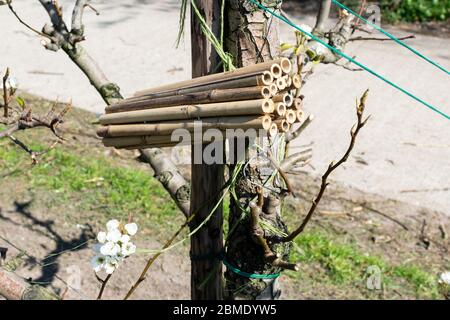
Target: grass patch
x=96, y=184
x=345, y=264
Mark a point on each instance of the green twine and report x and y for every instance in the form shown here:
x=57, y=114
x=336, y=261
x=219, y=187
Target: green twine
x=352, y=60
x=250, y=275
x=398, y=41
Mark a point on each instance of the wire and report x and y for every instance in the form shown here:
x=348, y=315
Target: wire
x=435, y=109
x=392, y=37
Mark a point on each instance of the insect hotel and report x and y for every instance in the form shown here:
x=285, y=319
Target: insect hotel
x=258, y=96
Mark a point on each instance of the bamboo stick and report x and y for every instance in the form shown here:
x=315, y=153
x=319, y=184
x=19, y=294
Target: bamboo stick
x=291, y=116
x=166, y=128
x=296, y=81
x=273, y=89
x=140, y=142
x=266, y=92
x=276, y=70
x=298, y=103
x=266, y=122
x=288, y=99
x=246, y=81
x=284, y=126
x=237, y=108
x=256, y=69
x=267, y=78
x=249, y=93
x=273, y=131
x=281, y=84
x=280, y=109
x=300, y=115
x=268, y=106
x=286, y=65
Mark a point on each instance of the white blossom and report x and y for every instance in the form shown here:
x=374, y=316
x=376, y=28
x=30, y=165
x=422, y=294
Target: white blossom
x=12, y=83
x=128, y=249
x=101, y=237
x=445, y=278
x=112, y=225
x=113, y=246
x=110, y=249
x=110, y=267
x=131, y=228
x=98, y=262
x=125, y=239
x=114, y=235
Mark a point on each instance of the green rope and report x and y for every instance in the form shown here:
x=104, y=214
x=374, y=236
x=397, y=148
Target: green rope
x=391, y=36
x=226, y=58
x=352, y=60
x=250, y=275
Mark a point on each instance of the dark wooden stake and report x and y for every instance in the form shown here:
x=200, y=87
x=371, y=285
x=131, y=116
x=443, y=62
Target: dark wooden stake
x=207, y=180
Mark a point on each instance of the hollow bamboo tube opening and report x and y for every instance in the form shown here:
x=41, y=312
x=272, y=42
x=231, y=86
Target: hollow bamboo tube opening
x=273, y=89
x=300, y=114
x=296, y=81
x=273, y=131
x=268, y=106
x=281, y=109
x=266, y=92
x=284, y=126
x=266, y=122
x=281, y=84
x=276, y=70
x=298, y=103
x=286, y=65
x=291, y=116
x=288, y=99
x=267, y=78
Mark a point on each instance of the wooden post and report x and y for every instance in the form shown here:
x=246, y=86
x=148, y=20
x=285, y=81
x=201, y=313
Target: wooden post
x=207, y=180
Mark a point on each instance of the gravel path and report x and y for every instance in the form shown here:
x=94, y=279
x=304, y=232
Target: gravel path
x=403, y=153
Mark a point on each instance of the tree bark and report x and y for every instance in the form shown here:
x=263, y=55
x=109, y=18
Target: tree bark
x=13, y=287
x=252, y=37
x=207, y=180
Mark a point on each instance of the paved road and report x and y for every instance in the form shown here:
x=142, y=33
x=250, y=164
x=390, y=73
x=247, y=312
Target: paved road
x=404, y=153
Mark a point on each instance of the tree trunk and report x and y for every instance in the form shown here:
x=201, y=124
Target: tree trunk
x=207, y=180
x=252, y=37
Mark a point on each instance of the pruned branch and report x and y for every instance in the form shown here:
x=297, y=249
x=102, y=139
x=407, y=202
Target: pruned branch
x=13, y=287
x=332, y=167
x=292, y=134
x=103, y=283
x=258, y=237
x=380, y=39
x=27, y=120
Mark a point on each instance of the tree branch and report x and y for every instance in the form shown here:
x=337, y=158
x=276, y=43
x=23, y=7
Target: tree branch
x=13, y=287
x=322, y=16
x=333, y=166
x=61, y=38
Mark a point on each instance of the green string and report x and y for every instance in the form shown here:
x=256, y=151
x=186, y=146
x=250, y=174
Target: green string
x=250, y=275
x=391, y=36
x=351, y=59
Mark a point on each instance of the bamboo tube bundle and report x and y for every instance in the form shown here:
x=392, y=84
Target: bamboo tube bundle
x=255, y=97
